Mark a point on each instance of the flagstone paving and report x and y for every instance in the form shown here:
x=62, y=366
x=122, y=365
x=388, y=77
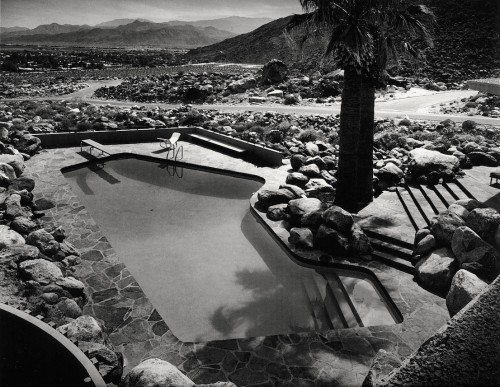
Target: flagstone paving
x=329, y=358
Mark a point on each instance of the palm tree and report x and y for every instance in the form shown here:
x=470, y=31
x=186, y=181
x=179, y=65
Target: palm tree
x=364, y=37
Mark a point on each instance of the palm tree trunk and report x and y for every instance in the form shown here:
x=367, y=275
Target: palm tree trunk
x=347, y=174
x=365, y=151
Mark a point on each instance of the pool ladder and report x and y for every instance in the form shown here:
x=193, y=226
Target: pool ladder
x=175, y=153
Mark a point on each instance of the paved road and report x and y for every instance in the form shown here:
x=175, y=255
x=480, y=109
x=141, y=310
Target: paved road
x=417, y=108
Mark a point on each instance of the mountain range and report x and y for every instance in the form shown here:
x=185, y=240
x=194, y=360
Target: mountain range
x=134, y=34
x=130, y=32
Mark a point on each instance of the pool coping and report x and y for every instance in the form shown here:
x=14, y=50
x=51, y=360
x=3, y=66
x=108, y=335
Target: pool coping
x=340, y=355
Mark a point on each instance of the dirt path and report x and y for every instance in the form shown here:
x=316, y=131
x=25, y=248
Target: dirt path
x=416, y=107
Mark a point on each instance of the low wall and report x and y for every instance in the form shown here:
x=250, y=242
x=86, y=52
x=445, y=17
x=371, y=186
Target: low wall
x=128, y=136
x=491, y=86
x=270, y=156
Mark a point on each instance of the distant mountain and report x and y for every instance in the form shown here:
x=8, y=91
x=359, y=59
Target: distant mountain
x=47, y=29
x=235, y=24
x=4, y=30
x=130, y=35
x=119, y=22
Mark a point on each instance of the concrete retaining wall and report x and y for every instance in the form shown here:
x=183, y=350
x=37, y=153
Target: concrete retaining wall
x=66, y=140
x=485, y=86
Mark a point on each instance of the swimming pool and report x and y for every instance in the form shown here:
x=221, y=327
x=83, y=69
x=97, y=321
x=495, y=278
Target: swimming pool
x=208, y=266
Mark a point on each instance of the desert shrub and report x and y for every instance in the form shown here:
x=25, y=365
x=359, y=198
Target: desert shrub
x=308, y=135
x=45, y=112
x=390, y=139
x=83, y=126
x=275, y=136
x=425, y=136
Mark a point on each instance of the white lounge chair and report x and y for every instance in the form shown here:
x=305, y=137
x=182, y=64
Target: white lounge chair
x=170, y=143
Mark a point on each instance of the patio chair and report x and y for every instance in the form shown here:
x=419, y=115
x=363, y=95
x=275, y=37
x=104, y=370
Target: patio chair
x=495, y=175
x=170, y=144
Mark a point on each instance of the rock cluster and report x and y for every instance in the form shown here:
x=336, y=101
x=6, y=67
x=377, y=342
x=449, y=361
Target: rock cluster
x=41, y=88
x=458, y=253
x=36, y=263
x=313, y=223
x=487, y=105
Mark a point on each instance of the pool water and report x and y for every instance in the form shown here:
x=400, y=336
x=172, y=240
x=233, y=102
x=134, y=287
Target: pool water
x=205, y=263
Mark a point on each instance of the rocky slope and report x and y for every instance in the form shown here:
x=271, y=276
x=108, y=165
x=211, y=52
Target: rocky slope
x=467, y=43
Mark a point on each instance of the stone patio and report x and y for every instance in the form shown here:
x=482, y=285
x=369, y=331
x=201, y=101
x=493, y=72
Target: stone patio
x=328, y=358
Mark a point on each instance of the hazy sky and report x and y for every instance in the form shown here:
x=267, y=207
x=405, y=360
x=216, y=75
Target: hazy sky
x=31, y=13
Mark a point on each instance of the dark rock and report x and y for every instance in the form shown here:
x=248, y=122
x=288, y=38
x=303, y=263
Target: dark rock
x=44, y=204
x=331, y=241
x=339, y=219
x=274, y=71
x=23, y=225
x=296, y=178
x=22, y=183
x=270, y=198
x=482, y=158
x=277, y=212
x=301, y=237
x=483, y=221
x=297, y=161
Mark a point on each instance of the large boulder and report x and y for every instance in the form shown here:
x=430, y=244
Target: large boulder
x=9, y=237
x=437, y=269
x=339, y=219
x=156, y=373
x=424, y=161
x=483, y=221
x=473, y=252
x=13, y=207
x=84, y=328
x=470, y=204
x=310, y=170
x=41, y=271
x=18, y=253
x=277, y=212
x=21, y=183
x=464, y=287
x=44, y=241
x=274, y=71
x=444, y=225
x=297, y=208
x=242, y=85
x=28, y=144
x=296, y=178
x=297, y=161
x=390, y=174
x=23, y=225
x=15, y=161
x=359, y=242
x=482, y=158
x=331, y=241
x=301, y=237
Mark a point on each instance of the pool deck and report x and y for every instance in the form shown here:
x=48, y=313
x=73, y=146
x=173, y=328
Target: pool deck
x=329, y=358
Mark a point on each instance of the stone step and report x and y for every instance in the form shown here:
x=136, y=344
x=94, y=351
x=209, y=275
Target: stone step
x=322, y=321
